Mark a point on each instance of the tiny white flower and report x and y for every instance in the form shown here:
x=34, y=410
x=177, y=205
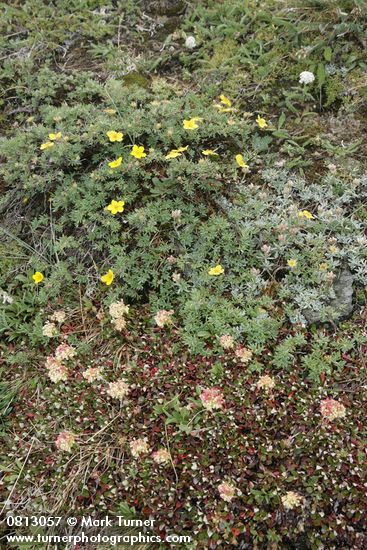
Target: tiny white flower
x=306, y=77
x=190, y=42
x=7, y=299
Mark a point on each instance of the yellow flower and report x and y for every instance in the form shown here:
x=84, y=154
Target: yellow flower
x=217, y=270
x=108, y=277
x=225, y=100
x=114, y=136
x=115, y=163
x=38, y=277
x=46, y=145
x=241, y=161
x=209, y=152
x=191, y=124
x=54, y=137
x=222, y=109
x=110, y=111
x=261, y=122
x=115, y=207
x=138, y=152
x=174, y=153
x=323, y=267
x=305, y=214
x=292, y=263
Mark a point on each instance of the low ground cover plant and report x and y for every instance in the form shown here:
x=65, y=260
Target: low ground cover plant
x=183, y=267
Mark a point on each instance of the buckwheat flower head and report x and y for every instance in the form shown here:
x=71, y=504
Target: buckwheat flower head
x=243, y=354
x=331, y=409
x=92, y=374
x=118, y=390
x=49, y=330
x=65, y=441
x=119, y=324
x=266, y=382
x=58, y=372
x=176, y=214
x=161, y=456
x=227, y=491
x=139, y=447
x=226, y=341
x=291, y=500
x=306, y=77
x=212, y=398
x=64, y=351
x=164, y=317
x=190, y=42
x=58, y=316
x=176, y=277
x=51, y=362
x=118, y=309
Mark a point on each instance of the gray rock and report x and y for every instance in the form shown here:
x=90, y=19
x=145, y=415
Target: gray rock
x=339, y=307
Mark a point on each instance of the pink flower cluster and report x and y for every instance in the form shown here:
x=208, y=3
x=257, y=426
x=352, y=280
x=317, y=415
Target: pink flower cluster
x=227, y=491
x=64, y=352
x=331, y=409
x=65, y=441
x=212, y=398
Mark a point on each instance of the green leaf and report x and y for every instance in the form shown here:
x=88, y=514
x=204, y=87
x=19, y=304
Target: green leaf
x=328, y=53
x=321, y=74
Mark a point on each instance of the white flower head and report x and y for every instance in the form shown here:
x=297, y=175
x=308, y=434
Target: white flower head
x=190, y=42
x=306, y=77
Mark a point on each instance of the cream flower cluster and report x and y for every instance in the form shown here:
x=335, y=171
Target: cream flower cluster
x=161, y=456
x=164, y=317
x=291, y=500
x=243, y=354
x=139, y=447
x=57, y=371
x=49, y=328
x=226, y=341
x=118, y=390
x=92, y=374
x=265, y=382
x=118, y=310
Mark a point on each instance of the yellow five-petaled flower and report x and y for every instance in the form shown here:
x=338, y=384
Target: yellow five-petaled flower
x=241, y=161
x=108, y=277
x=174, y=153
x=54, y=137
x=115, y=207
x=46, y=145
x=115, y=163
x=292, y=263
x=114, y=136
x=217, y=270
x=38, y=277
x=209, y=152
x=261, y=122
x=305, y=214
x=191, y=124
x=225, y=100
x=138, y=152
